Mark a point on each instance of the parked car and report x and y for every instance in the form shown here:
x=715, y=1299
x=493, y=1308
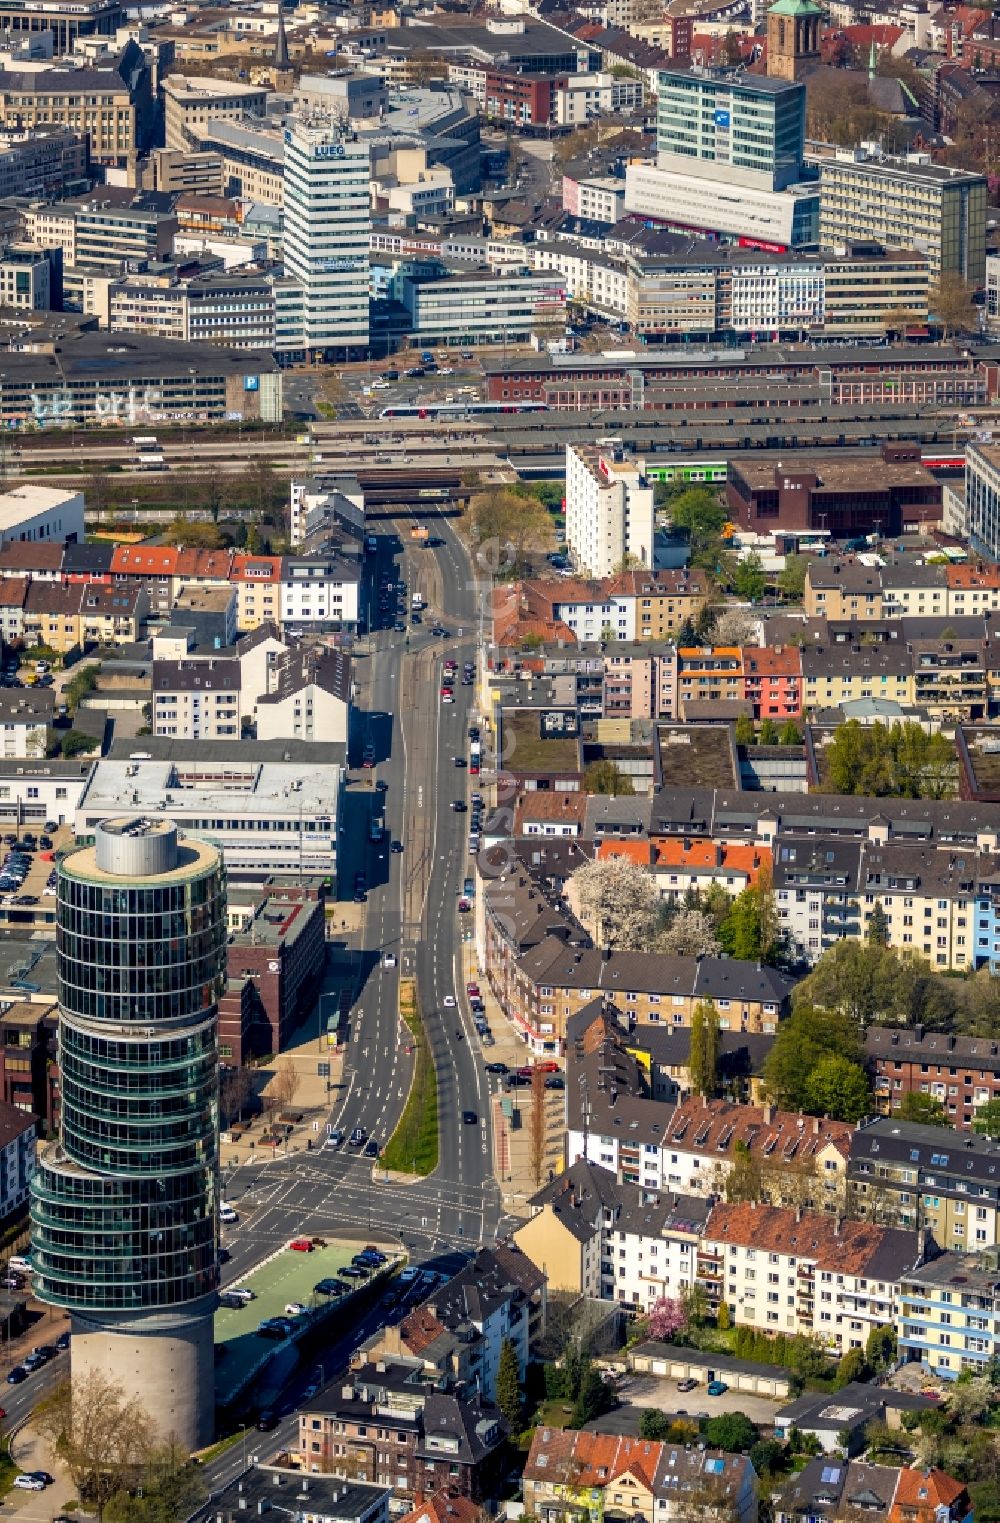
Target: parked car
x=686, y=1385
x=301, y=1245
x=717, y=1388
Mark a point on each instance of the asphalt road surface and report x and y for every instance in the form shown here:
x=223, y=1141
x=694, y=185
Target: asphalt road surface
x=411, y=910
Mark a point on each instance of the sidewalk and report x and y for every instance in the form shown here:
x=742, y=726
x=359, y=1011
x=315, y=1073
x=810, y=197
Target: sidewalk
x=511, y=1109
x=31, y=1450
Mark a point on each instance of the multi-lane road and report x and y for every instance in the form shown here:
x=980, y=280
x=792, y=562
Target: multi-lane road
x=411, y=911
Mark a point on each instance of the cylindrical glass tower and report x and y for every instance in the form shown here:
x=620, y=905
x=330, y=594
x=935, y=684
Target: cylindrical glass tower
x=125, y=1204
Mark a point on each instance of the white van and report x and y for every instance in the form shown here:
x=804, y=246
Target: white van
x=227, y=1213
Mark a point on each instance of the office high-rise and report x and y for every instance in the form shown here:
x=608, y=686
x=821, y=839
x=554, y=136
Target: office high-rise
x=321, y=306
x=740, y=128
x=125, y=1203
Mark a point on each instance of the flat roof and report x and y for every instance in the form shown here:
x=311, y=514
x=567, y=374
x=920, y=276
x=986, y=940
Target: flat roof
x=193, y=857
x=25, y=501
x=240, y=787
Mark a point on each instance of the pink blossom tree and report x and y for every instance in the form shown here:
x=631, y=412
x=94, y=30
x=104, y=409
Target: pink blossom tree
x=666, y=1318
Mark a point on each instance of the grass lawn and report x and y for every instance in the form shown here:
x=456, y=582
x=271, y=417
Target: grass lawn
x=413, y=1146
x=8, y=1470
x=555, y=1413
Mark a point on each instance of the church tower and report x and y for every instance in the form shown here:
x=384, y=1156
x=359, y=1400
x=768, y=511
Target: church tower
x=793, y=38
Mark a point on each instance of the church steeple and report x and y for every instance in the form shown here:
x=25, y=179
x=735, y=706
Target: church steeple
x=281, y=46
x=793, y=38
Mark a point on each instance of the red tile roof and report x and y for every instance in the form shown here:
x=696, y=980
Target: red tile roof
x=818, y=1236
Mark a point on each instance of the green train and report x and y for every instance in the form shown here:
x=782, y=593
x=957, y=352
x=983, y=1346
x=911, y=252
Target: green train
x=689, y=470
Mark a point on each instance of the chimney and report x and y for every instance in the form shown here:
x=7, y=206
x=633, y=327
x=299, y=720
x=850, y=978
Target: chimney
x=768, y=1114
x=815, y=1121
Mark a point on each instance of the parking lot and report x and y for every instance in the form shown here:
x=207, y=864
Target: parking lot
x=641, y=1391
x=286, y=1279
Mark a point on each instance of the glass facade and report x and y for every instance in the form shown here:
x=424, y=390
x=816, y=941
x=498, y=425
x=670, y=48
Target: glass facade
x=125, y=1204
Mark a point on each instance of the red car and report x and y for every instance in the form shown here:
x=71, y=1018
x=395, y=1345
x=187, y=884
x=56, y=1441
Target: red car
x=548, y=1066
x=301, y=1245
x=472, y=990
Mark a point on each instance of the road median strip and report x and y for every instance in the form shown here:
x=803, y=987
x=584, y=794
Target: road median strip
x=413, y=1146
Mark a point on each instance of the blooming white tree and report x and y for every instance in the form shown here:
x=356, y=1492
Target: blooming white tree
x=734, y=626
x=691, y=933
x=619, y=902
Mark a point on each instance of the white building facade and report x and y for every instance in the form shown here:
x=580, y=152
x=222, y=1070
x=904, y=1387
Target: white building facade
x=322, y=304
x=609, y=512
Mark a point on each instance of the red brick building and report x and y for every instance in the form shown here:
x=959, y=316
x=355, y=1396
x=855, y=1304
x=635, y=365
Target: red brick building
x=960, y=1071
x=772, y=677
x=280, y=951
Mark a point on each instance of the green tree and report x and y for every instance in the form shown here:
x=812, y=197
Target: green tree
x=596, y=1397
x=723, y=1320
x=508, y=1384
x=926, y=1109
x=703, y=1053
x=189, y=534
x=768, y=733
x=808, y=1035
x=767, y=1456
x=75, y=742
x=171, y=1489
x=838, y=1088
x=749, y=582
x=868, y=983
x=877, y=929
x=880, y=1347
x=695, y=1304
x=607, y=778
x=731, y=1431
x=699, y=511
x=751, y=931
x=792, y=577
x=653, y=1424
x=744, y=1182
x=790, y=734
x=853, y=1366
x=744, y=731
x=986, y=1119
x=899, y=761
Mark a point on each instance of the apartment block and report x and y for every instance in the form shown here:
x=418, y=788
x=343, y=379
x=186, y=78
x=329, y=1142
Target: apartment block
x=785, y=1271
x=963, y=1072
x=609, y=512
x=948, y=1313
x=912, y=1175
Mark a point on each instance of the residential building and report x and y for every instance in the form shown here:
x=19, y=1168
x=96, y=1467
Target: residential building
x=609, y=511
x=320, y=592
x=908, y=203
x=829, y=1484
x=689, y=1146
x=197, y=699
x=788, y=1271
x=391, y=1424
x=167, y=1359
x=963, y=1072
x=310, y=697
x=458, y=1332
x=594, y=1236
x=25, y=715
x=772, y=678
x=925, y=1177
x=322, y=305
x=52, y=616
x=26, y=279
x=947, y=1313
x=273, y=808
x=649, y=1479
x=111, y=615
x=17, y=1159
